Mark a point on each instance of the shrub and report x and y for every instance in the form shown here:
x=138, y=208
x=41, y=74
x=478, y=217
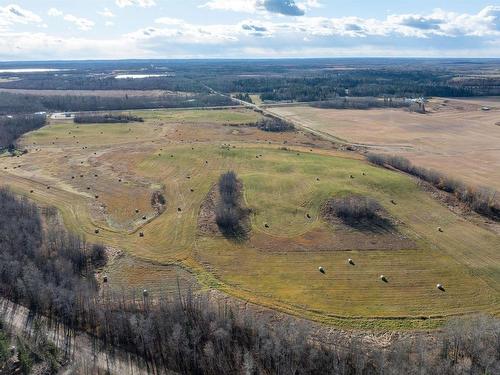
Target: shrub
x=106, y=119
x=98, y=256
x=274, y=124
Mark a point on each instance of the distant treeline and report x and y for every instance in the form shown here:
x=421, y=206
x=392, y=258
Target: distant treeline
x=83, y=81
x=12, y=127
x=358, y=83
x=480, y=199
x=20, y=103
x=52, y=273
x=362, y=103
x=108, y=118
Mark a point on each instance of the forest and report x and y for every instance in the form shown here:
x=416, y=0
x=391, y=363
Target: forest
x=52, y=272
x=20, y=103
x=12, y=127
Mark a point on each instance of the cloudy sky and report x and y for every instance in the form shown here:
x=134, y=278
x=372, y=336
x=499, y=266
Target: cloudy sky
x=105, y=29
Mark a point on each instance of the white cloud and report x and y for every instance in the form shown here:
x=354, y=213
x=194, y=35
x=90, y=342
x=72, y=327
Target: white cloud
x=106, y=13
x=139, y=3
x=283, y=7
x=431, y=34
x=109, y=23
x=14, y=14
x=54, y=12
x=81, y=23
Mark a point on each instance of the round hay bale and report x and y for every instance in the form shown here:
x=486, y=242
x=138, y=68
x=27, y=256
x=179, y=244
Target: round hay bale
x=321, y=269
x=141, y=234
x=179, y=209
x=350, y=261
x=383, y=278
x=136, y=210
x=96, y=231
x=72, y=177
x=266, y=225
x=351, y=176
x=308, y=216
x=191, y=190
x=144, y=218
x=440, y=287
x=145, y=293
x=31, y=191
x=393, y=202
x=440, y=229
x=96, y=197
x=48, y=187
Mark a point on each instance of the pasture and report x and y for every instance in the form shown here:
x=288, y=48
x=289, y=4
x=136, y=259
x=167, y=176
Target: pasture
x=456, y=136
x=101, y=178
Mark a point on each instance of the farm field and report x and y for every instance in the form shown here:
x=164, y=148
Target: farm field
x=456, y=136
x=101, y=177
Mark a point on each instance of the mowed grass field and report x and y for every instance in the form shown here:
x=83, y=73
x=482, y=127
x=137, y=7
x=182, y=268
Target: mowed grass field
x=182, y=153
x=456, y=136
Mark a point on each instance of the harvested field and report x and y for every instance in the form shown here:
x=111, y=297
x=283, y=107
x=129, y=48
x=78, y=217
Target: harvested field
x=287, y=177
x=104, y=93
x=456, y=137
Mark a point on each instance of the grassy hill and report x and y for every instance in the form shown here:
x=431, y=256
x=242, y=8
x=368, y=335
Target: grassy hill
x=101, y=178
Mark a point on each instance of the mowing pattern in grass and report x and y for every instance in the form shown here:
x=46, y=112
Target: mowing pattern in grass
x=278, y=266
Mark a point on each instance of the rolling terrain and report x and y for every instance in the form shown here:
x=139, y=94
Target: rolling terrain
x=101, y=177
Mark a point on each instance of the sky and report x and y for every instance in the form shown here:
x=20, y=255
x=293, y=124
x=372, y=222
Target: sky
x=121, y=29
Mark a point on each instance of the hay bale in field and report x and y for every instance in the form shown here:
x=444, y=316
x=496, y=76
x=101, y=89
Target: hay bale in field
x=351, y=176
x=440, y=229
x=179, y=209
x=48, y=187
x=308, y=216
x=96, y=231
x=321, y=269
x=144, y=218
x=383, y=278
x=440, y=287
x=105, y=279
x=393, y=202
x=191, y=190
x=145, y=293
x=136, y=210
x=266, y=225
x=96, y=197
x=141, y=234
x=31, y=191
x=350, y=261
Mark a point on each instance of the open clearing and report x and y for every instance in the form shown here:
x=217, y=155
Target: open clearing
x=456, y=137
x=101, y=178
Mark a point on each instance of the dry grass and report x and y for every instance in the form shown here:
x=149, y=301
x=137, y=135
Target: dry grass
x=455, y=137
x=181, y=152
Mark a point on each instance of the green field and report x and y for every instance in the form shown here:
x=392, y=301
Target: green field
x=180, y=151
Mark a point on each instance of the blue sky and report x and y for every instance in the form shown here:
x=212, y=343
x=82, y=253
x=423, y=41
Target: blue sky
x=96, y=29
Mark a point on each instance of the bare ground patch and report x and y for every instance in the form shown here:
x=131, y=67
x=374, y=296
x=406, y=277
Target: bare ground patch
x=207, y=224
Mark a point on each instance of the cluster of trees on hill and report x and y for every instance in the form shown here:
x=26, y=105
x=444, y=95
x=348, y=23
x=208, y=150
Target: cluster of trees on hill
x=15, y=103
x=230, y=214
x=274, y=124
x=108, y=118
x=52, y=274
x=12, y=127
x=245, y=97
x=480, y=199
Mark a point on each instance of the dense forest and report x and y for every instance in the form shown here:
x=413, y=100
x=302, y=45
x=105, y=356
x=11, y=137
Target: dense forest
x=20, y=103
x=12, y=127
x=52, y=272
